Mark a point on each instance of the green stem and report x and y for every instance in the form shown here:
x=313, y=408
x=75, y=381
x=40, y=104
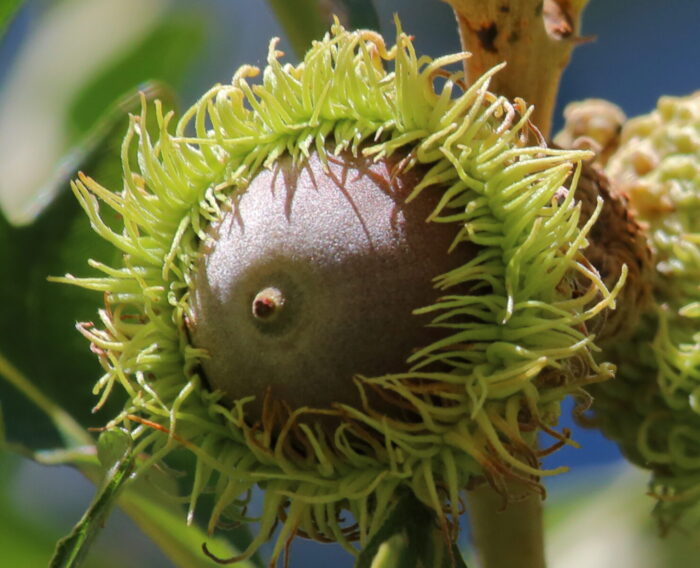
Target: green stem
x=72, y=433
x=510, y=536
x=72, y=549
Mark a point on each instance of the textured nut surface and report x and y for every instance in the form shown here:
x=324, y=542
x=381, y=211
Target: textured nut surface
x=311, y=277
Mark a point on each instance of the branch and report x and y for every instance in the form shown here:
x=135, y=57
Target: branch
x=534, y=37
x=506, y=536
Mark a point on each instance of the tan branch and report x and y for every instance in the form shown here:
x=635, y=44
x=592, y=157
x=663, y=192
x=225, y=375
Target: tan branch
x=507, y=536
x=534, y=37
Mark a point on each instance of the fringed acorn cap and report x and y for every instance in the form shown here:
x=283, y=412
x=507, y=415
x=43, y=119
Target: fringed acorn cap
x=506, y=337
x=652, y=408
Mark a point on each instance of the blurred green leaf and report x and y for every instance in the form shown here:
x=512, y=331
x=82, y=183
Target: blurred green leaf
x=27, y=542
x=52, y=66
x=77, y=117
x=37, y=333
x=8, y=10
x=306, y=20
x=357, y=14
x=71, y=550
x=302, y=22
x=162, y=57
x=71, y=432
x=149, y=499
x=165, y=525
x=601, y=516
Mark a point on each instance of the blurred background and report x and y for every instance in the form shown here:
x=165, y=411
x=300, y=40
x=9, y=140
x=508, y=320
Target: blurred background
x=68, y=73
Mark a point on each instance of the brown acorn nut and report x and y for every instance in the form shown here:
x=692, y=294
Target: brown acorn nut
x=310, y=278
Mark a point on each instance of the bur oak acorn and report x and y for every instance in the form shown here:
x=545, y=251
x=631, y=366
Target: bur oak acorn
x=249, y=271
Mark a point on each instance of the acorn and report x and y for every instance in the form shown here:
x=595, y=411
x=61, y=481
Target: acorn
x=304, y=279
x=651, y=408
x=343, y=282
